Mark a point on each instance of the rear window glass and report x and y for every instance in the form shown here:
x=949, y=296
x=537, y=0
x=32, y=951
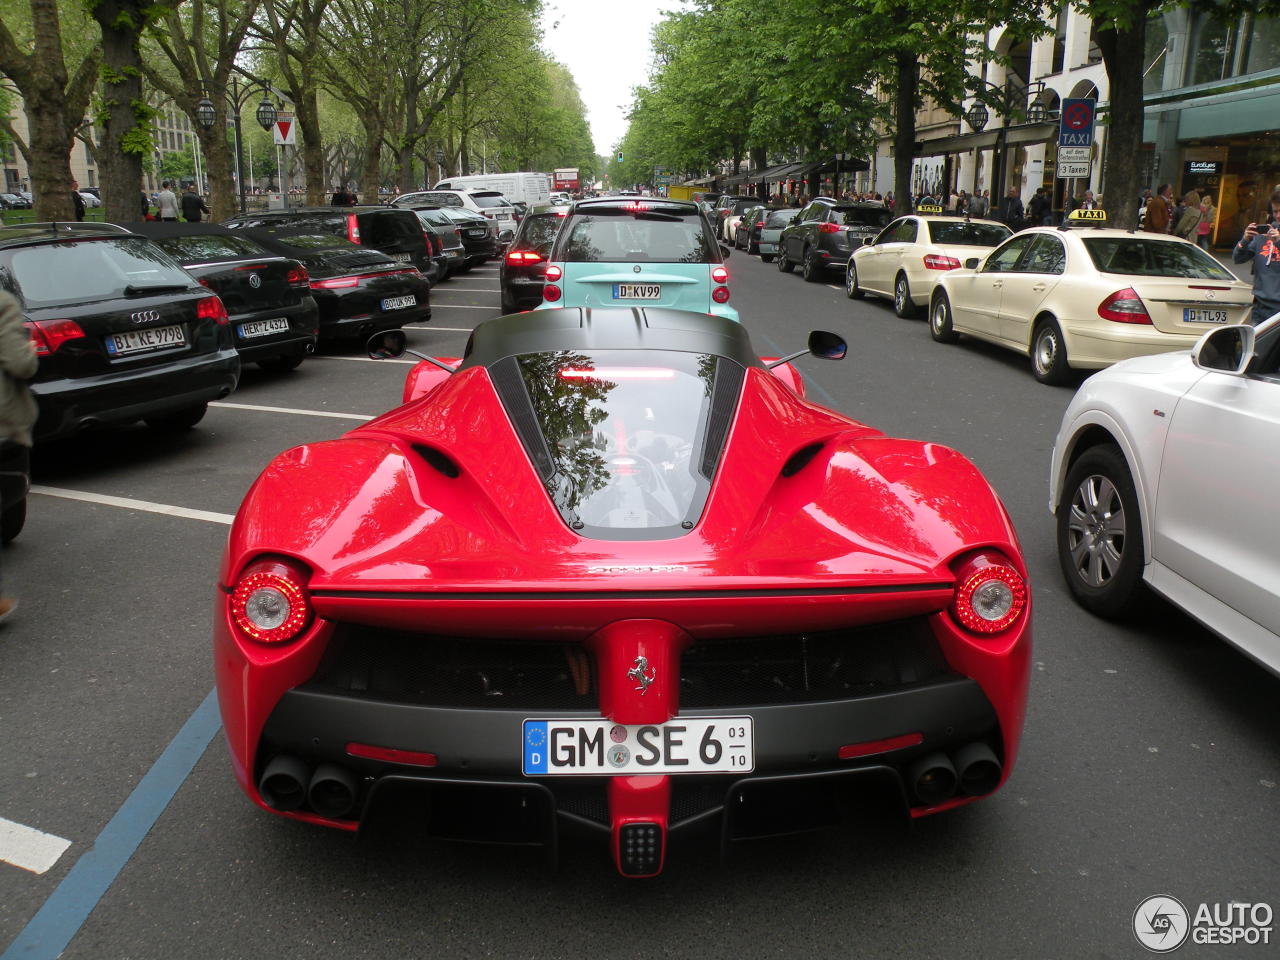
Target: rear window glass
x=645, y=234
x=625, y=431
x=490, y=200
x=435, y=217
x=538, y=232
x=64, y=273
x=862, y=217
x=444, y=199
x=968, y=234
x=315, y=241
x=1139, y=257
x=387, y=229
x=780, y=218
x=206, y=248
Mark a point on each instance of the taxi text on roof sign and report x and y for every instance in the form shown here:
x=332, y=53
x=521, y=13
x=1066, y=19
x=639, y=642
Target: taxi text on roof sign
x=931, y=208
x=1095, y=216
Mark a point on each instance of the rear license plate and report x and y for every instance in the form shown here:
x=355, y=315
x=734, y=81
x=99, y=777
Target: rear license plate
x=637, y=291
x=262, y=328
x=144, y=341
x=475, y=233
x=600, y=747
x=1201, y=315
x=402, y=257
x=399, y=303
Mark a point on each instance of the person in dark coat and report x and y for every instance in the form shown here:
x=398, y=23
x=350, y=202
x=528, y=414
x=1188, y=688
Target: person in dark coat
x=77, y=200
x=193, y=205
x=1011, y=214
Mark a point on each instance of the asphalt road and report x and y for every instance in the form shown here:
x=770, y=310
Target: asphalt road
x=1149, y=763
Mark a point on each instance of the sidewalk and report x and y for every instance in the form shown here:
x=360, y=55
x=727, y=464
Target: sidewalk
x=1241, y=270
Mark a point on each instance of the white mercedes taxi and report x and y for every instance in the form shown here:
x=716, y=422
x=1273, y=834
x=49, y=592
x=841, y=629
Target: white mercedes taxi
x=1083, y=296
x=905, y=260
x=1164, y=473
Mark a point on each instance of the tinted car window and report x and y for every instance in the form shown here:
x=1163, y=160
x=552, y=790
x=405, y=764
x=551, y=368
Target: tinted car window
x=1047, y=256
x=1006, y=258
x=64, y=273
x=779, y=218
x=538, y=232
x=490, y=200
x=904, y=232
x=861, y=217
x=195, y=249
x=437, y=218
x=444, y=199
x=317, y=241
x=968, y=234
x=1139, y=257
x=619, y=235
x=384, y=229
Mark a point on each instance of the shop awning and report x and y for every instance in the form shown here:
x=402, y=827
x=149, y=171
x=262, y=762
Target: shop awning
x=964, y=142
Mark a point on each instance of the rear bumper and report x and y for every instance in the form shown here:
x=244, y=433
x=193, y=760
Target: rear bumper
x=67, y=406
x=1093, y=346
x=304, y=321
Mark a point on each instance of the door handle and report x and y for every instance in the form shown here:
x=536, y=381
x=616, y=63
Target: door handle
x=997, y=284
x=1039, y=287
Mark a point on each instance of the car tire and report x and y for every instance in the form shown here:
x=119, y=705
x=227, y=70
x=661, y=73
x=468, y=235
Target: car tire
x=753, y=249
x=13, y=520
x=1099, y=521
x=284, y=364
x=811, y=266
x=851, y=288
x=940, y=320
x=784, y=265
x=178, y=420
x=1049, y=353
x=902, y=304
x=766, y=258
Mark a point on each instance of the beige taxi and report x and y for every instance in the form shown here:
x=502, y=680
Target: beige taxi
x=905, y=260
x=1084, y=296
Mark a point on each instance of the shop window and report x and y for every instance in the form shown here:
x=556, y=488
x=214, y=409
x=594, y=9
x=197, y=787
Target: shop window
x=1264, y=45
x=1155, y=55
x=1095, y=52
x=1060, y=40
x=1212, y=49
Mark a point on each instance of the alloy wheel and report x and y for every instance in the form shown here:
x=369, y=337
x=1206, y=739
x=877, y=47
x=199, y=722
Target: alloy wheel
x=1096, y=530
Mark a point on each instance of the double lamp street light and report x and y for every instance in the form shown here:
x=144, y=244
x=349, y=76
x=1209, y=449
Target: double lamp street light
x=977, y=116
x=236, y=99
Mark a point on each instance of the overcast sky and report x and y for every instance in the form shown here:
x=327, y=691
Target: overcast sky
x=606, y=47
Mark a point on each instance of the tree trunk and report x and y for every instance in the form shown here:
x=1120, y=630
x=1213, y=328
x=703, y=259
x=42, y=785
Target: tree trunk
x=126, y=117
x=50, y=157
x=371, y=174
x=1122, y=52
x=308, y=117
x=224, y=193
x=904, y=129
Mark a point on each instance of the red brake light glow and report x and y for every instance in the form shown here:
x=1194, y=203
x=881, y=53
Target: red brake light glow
x=991, y=595
x=211, y=308
x=936, y=261
x=759, y=223
x=720, y=294
x=550, y=292
x=337, y=283
x=1124, y=306
x=851, y=750
x=353, y=228
x=298, y=276
x=719, y=275
x=270, y=603
x=49, y=335
x=413, y=758
x=618, y=373
x=523, y=256
x=828, y=228
x=554, y=273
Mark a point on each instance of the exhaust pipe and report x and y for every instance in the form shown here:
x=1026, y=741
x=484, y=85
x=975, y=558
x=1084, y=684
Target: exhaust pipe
x=284, y=783
x=332, y=792
x=978, y=768
x=932, y=779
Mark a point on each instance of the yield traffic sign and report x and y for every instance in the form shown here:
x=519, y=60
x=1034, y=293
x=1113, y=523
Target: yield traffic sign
x=286, y=133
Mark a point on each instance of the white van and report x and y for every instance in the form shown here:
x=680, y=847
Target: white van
x=527, y=188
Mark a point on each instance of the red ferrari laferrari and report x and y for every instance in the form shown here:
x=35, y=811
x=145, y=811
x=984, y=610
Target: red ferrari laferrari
x=612, y=568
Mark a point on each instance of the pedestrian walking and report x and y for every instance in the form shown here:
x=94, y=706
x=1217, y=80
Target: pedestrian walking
x=77, y=201
x=193, y=205
x=1261, y=244
x=167, y=203
x=1208, y=217
x=17, y=406
x=1011, y=213
x=1039, y=208
x=1189, y=220
x=979, y=204
x=146, y=205
x=1159, y=211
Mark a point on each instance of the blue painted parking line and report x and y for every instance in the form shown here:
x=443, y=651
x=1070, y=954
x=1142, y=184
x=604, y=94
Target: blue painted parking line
x=64, y=913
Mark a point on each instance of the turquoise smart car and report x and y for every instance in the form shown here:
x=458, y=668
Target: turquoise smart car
x=638, y=251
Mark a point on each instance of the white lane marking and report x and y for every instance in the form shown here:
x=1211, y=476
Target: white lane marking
x=29, y=848
x=301, y=413
x=461, y=290
x=458, y=306
x=834, y=287
x=432, y=326
x=361, y=359
x=146, y=506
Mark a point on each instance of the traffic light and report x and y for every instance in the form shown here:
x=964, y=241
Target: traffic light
x=619, y=156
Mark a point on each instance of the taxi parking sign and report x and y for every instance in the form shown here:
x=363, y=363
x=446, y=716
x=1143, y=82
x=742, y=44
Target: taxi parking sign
x=1075, y=128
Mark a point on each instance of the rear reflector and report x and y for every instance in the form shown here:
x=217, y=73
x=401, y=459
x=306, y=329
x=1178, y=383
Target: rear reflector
x=851, y=750
x=550, y=292
x=392, y=755
x=720, y=294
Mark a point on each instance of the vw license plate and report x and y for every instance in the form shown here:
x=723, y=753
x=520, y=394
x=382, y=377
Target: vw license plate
x=599, y=747
x=143, y=341
x=262, y=328
x=637, y=291
x=1202, y=315
x=399, y=303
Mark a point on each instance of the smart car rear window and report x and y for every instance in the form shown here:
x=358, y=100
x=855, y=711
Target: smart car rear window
x=1139, y=257
x=968, y=234
x=55, y=274
x=637, y=233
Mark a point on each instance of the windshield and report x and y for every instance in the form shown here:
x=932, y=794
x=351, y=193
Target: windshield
x=780, y=218
x=489, y=200
x=625, y=434
x=54, y=274
x=863, y=217
x=623, y=235
x=968, y=234
x=1139, y=257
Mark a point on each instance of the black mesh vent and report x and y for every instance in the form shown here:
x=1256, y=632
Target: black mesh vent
x=806, y=667
x=510, y=386
x=724, y=400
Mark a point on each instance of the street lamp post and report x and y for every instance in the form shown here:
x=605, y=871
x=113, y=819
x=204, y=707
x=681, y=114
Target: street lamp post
x=977, y=116
x=236, y=99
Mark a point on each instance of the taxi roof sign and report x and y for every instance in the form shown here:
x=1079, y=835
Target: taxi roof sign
x=930, y=208
x=1087, y=216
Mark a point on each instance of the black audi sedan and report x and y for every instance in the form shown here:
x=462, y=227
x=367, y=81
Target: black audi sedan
x=121, y=331
x=359, y=291
x=273, y=315
x=523, y=271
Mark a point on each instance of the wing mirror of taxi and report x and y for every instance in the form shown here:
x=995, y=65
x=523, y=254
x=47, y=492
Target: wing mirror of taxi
x=828, y=346
x=1226, y=350
x=726, y=250
x=394, y=344
x=971, y=263
x=868, y=241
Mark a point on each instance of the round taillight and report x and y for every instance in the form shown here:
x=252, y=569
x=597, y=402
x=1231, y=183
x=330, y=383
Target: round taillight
x=550, y=293
x=991, y=594
x=554, y=272
x=270, y=603
x=719, y=275
x=720, y=294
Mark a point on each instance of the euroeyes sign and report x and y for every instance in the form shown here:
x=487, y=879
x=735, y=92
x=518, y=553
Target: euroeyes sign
x=1075, y=128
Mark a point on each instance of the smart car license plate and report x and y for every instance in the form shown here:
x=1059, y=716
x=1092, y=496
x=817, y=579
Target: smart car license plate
x=637, y=291
x=399, y=303
x=144, y=341
x=599, y=747
x=1203, y=315
x=262, y=328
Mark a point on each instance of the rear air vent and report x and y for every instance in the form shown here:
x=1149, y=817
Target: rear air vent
x=438, y=459
x=724, y=400
x=800, y=459
x=510, y=386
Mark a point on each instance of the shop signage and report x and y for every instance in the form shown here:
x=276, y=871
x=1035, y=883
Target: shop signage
x=1075, y=128
x=1202, y=168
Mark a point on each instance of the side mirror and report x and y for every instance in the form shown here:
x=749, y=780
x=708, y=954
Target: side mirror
x=795, y=219
x=828, y=346
x=726, y=250
x=971, y=263
x=1226, y=350
x=868, y=241
x=388, y=345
